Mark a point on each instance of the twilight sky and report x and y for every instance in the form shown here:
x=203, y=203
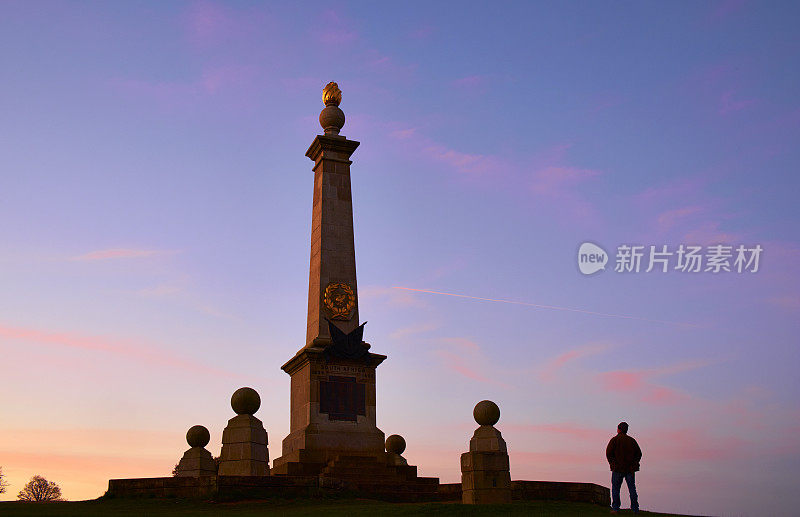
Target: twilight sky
x=155, y=211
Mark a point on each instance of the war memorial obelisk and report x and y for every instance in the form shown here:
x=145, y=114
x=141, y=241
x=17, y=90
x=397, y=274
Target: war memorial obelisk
x=333, y=444
x=332, y=407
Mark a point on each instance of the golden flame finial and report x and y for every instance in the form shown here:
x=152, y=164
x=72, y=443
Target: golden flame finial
x=331, y=94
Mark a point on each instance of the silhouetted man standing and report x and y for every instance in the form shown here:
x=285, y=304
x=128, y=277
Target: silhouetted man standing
x=623, y=454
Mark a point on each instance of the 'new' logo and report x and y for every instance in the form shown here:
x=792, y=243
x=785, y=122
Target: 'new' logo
x=591, y=258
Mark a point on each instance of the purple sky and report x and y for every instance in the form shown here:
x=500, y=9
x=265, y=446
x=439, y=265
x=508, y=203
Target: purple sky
x=155, y=211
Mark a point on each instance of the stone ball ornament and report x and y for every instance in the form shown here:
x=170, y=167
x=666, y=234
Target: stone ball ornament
x=197, y=436
x=332, y=117
x=245, y=401
x=395, y=444
x=486, y=412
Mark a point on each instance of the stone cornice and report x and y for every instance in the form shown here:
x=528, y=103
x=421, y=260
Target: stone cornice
x=314, y=353
x=334, y=148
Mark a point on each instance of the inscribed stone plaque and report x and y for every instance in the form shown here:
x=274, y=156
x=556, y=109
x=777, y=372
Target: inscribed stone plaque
x=342, y=398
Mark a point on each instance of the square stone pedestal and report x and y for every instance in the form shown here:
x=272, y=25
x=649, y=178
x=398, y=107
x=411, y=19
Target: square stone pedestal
x=485, y=470
x=197, y=462
x=244, y=448
x=332, y=411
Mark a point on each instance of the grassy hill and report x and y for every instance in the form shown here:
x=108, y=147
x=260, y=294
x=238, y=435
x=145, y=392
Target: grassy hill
x=329, y=508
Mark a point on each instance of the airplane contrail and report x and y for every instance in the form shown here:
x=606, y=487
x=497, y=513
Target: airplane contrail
x=552, y=307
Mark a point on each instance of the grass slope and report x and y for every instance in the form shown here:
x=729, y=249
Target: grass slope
x=296, y=508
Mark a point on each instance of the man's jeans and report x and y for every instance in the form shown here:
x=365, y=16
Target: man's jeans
x=616, y=484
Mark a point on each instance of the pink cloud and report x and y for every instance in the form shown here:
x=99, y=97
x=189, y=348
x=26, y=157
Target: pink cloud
x=684, y=211
x=573, y=459
x=554, y=154
x=546, y=177
x=788, y=302
x=659, y=445
x=461, y=355
x=335, y=29
x=210, y=24
x=337, y=36
x=555, y=181
x=386, y=64
x=639, y=383
x=568, y=430
x=560, y=184
x=681, y=188
x=120, y=253
x=622, y=381
x=166, y=92
x=391, y=296
x=720, y=86
x=422, y=33
x=604, y=101
x=124, y=348
x=457, y=364
x=467, y=165
x=159, y=291
x=464, y=163
x=471, y=83
x=552, y=367
x=666, y=220
x=681, y=445
x=214, y=79
x=728, y=104
x=661, y=395
x=403, y=134
x=460, y=342
x=413, y=329
x=725, y=8
x=710, y=233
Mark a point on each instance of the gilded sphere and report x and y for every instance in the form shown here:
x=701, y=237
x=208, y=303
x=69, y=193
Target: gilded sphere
x=245, y=401
x=395, y=444
x=331, y=118
x=197, y=436
x=486, y=412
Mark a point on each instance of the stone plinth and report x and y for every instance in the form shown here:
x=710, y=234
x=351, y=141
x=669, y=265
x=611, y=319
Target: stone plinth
x=169, y=487
x=542, y=491
x=485, y=474
x=485, y=470
x=197, y=462
x=332, y=412
x=244, y=448
x=232, y=488
x=218, y=488
x=561, y=491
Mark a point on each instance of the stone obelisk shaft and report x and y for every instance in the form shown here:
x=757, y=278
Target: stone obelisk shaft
x=332, y=290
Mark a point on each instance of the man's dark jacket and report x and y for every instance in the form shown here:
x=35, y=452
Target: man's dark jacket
x=623, y=454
